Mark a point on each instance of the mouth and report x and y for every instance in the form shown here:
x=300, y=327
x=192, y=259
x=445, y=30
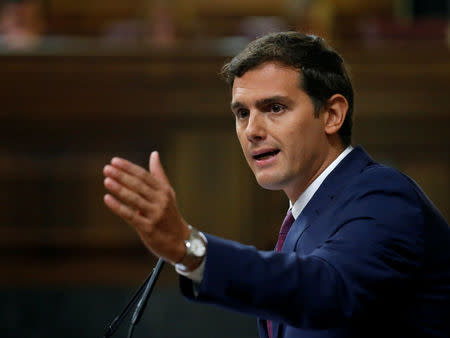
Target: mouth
x=265, y=154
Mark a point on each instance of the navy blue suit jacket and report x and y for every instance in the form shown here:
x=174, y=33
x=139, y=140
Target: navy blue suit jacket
x=368, y=256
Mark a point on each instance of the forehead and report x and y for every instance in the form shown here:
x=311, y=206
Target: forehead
x=270, y=78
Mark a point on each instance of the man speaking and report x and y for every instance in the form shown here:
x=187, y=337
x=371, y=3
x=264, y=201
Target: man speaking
x=362, y=251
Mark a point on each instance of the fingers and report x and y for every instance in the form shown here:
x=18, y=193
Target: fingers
x=147, y=202
x=135, y=187
x=130, y=215
x=156, y=167
x=133, y=170
x=136, y=184
x=127, y=196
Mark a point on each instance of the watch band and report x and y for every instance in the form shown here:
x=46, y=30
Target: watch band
x=196, y=246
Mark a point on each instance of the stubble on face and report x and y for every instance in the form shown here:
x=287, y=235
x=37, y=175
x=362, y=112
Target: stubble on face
x=283, y=142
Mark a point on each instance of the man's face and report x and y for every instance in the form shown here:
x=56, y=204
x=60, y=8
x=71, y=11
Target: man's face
x=283, y=143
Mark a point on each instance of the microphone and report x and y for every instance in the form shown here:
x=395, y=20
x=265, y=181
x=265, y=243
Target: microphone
x=146, y=287
x=140, y=307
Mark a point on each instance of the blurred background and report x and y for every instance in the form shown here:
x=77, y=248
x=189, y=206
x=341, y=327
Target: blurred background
x=82, y=81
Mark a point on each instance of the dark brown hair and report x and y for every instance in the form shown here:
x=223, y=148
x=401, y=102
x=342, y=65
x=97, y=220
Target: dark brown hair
x=323, y=72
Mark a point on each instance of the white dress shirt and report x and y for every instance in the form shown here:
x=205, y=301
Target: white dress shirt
x=197, y=274
x=304, y=198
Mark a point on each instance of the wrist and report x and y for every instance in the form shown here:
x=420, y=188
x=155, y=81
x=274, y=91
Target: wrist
x=195, y=248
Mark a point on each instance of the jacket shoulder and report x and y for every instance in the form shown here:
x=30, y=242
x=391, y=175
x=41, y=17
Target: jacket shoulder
x=378, y=177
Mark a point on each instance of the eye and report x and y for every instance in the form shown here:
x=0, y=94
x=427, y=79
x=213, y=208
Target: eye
x=241, y=113
x=276, y=108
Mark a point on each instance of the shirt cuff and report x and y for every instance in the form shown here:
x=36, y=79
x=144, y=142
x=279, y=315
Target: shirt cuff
x=194, y=275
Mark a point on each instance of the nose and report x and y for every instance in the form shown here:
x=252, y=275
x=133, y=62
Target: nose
x=256, y=127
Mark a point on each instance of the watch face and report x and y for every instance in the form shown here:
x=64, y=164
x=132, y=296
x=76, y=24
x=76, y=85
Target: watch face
x=197, y=247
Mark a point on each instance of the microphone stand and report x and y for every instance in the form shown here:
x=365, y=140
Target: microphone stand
x=145, y=289
x=140, y=307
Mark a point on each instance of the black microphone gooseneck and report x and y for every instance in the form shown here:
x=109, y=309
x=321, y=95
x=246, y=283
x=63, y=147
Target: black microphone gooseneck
x=140, y=307
x=151, y=279
x=112, y=328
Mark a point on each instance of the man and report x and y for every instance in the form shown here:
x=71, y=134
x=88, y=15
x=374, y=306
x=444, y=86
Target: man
x=362, y=251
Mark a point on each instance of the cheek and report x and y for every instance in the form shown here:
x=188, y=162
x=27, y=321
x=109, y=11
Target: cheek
x=305, y=130
x=240, y=137
x=296, y=134
x=242, y=141
x=299, y=138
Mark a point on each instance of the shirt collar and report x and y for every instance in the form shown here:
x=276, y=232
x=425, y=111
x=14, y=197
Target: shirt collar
x=304, y=198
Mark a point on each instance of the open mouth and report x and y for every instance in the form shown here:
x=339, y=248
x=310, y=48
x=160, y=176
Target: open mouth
x=266, y=155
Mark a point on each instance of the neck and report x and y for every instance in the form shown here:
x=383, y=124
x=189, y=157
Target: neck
x=294, y=191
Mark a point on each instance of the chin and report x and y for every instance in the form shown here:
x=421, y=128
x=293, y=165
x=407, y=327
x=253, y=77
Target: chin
x=269, y=183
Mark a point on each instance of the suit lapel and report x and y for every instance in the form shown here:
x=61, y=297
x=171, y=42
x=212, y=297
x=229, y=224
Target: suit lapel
x=346, y=170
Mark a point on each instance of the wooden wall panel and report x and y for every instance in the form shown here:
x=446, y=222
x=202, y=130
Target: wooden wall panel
x=63, y=116
x=93, y=7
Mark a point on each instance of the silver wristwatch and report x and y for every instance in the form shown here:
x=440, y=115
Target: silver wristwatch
x=195, y=251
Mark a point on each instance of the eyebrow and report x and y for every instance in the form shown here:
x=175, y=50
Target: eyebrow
x=263, y=102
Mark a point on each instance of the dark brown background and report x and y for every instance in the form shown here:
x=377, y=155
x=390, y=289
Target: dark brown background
x=69, y=105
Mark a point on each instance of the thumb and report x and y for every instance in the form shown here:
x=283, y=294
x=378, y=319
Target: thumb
x=156, y=168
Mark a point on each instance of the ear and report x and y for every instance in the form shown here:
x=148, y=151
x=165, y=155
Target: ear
x=334, y=114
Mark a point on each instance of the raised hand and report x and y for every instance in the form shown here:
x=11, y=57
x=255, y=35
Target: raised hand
x=146, y=201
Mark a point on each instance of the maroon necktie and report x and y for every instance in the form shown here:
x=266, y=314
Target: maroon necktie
x=287, y=223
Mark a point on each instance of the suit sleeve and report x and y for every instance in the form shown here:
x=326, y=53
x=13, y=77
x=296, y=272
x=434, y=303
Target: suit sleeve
x=375, y=249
